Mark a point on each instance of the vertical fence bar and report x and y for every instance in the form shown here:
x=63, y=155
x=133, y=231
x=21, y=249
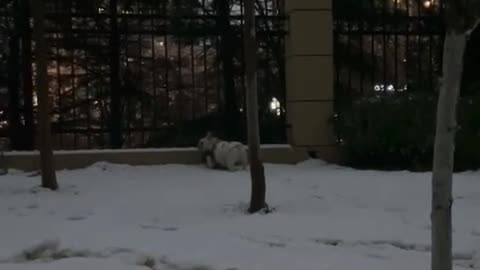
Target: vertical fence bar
x=73, y=91
x=116, y=140
x=13, y=84
x=88, y=94
x=179, y=91
x=141, y=91
x=167, y=66
x=362, y=72
x=193, y=94
x=154, y=75
x=27, y=74
x=59, y=86
x=205, y=60
x=242, y=58
x=384, y=45
x=396, y=24
x=407, y=45
x=349, y=53
x=419, y=48
x=205, y=74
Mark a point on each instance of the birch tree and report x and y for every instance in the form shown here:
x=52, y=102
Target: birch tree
x=49, y=179
x=461, y=20
x=257, y=172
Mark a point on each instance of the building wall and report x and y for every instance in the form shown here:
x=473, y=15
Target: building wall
x=309, y=74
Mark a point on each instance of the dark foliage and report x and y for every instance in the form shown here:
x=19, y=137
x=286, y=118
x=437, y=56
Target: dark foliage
x=397, y=132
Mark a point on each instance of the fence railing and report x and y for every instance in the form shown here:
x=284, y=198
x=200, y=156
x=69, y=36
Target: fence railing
x=141, y=73
x=387, y=46
x=384, y=48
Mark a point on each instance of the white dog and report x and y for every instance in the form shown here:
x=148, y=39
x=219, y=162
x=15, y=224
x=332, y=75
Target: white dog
x=222, y=154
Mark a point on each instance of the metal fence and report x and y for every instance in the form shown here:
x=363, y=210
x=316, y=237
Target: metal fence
x=385, y=46
x=383, y=49
x=142, y=73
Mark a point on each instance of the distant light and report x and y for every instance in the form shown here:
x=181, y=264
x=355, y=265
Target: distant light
x=427, y=4
x=35, y=99
x=382, y=87
x=275, y=106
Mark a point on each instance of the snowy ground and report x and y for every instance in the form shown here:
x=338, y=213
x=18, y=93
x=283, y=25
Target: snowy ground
x=112, y=217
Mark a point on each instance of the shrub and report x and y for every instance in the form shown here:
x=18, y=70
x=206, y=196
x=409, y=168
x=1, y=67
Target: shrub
x=397, y=132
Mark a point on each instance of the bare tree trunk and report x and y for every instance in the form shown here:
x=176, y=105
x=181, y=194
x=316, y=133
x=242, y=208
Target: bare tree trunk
x=257, y=173
x=444, y=151
x=461, y=18
x=49, y=179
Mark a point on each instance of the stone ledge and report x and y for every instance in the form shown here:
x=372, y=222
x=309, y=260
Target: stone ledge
x=292, y=5
x=29, y=161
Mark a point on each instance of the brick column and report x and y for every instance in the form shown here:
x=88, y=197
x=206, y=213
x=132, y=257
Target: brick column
x=309, y=74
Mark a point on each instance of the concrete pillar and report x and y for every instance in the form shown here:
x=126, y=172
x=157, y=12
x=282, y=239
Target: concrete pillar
x=309, y=75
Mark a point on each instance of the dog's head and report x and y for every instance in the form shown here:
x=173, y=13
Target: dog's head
x=207, y=143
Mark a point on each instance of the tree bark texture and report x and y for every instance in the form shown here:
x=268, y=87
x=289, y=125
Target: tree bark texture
x=443, y=162
x=41, y=57
x=257, y=174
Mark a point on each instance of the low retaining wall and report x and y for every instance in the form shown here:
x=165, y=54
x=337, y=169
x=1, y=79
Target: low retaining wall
x=29, y=161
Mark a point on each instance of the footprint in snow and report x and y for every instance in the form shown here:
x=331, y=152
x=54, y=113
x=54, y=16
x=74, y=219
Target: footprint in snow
x=170, y=229
x=318, y=197
x=158, y=227
x=32, y=206
x=76, y=218
x=395, y=210
x=150, y=227
x=378, y=256
x=476, y=233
